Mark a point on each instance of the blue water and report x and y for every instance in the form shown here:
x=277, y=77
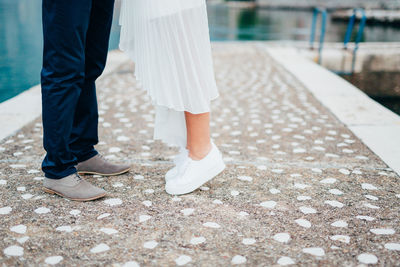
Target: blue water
x=21, y=35
x=21, y=45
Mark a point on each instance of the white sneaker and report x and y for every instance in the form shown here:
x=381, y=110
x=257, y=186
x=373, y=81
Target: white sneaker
x=195, y=173
x=180, y=158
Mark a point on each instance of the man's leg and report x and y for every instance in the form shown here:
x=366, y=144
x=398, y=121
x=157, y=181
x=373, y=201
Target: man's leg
x=84, y=134
x=65, y=25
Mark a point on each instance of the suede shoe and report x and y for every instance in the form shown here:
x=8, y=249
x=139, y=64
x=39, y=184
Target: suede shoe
x=100, y=166
x=73, y=187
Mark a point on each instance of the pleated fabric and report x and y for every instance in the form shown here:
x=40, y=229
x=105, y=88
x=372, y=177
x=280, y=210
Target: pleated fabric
x=170, y=44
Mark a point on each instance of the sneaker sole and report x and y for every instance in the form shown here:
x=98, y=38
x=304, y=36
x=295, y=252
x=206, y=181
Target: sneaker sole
x=103, y=174
x=212, y=173
x=52, y=192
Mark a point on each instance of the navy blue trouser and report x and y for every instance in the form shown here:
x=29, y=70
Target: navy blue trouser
x=76, y=35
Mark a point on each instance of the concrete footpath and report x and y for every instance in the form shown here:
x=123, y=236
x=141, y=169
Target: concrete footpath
x=300, y=187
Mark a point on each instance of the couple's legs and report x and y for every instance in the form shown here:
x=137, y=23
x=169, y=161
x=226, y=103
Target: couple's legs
x=76, y=37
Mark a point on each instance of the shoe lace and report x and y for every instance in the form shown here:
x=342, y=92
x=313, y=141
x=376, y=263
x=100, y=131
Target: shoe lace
x=78, y=178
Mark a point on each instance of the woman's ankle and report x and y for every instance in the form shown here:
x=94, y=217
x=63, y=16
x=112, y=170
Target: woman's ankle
x=199, y=152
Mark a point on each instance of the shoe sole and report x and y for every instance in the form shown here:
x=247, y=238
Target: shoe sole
x=103, y=174
x=212, y=173
x=52, y=192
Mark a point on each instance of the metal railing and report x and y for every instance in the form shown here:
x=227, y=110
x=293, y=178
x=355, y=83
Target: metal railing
x=349, y=32
x=317, y=12
x=347, y=38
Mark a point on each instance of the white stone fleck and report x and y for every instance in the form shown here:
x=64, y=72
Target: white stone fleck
x=262, y=167
x=122, y=138
x=27, y=196
x=370, y=197
x=344, y=171
x=182, y=260
x=285, y=261
x=299, y=150
x=143, y=218
x=187, y=212
x=42, y=210
x=282, y=237
x=100, y=248
x=383, y=231
x=18, y=166
x=75, y=212
x=303, y=198
x=341, y=238
x=274, y=191
x=19, y=229
x=248, y=241
x=245, y=178
x=65, y=228
x=339, y=223
x=238, y=259
x=131, y=264
x=5, y=210
x=370, y=206
x=102, y=216
x=53, y=260
x=243, y=214
x=301, y=186
x=113, y=201
x=235, y=193
x=211, y=225
x=217, y=201
x=393, y=246
x=308, y=210
x=303, y=223
x=334, y=203
x=15, y=251
x=367, y=258
x=150, y=244
x=109, y=231
x=147, y=203
x=268, y=204
x=366, y=218
x=114, y=150
x=335, y=191
x=23, y=239
x=367, y=186
x=176, y=199
x=197, y=240
x=118, y=184
x=315, y=251
x=3, y=182
x=328, y=181
x=138, y=177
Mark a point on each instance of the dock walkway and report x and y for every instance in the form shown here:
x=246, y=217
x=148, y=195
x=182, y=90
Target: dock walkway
x=299, y=188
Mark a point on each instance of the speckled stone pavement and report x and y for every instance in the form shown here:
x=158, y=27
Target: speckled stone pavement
x=299, y=187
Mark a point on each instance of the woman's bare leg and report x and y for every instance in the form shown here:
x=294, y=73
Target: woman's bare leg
x=198, y=135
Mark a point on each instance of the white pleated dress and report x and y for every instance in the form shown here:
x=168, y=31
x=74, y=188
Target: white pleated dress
x=170, y=44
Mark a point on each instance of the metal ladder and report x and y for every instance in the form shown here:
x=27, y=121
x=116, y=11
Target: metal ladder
x=349, y=31
x=324, y=14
